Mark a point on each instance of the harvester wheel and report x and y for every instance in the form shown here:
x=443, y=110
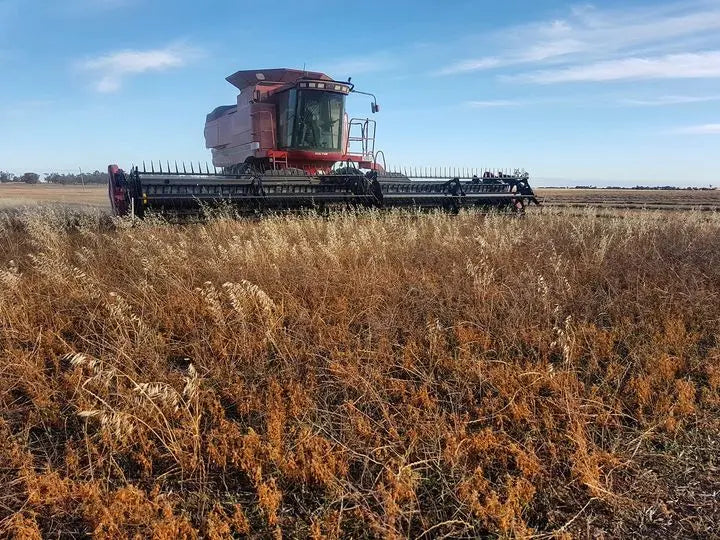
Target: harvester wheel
x=118, y=191
x=136, y=195
x=518, y=206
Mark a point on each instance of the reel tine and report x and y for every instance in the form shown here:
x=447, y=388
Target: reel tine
x=152, y=166
x=192, y=169
x=176, y=169
x=184, y=169
x=144, y=166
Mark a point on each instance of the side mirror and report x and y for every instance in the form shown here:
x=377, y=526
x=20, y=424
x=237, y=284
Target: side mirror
x=374, y=107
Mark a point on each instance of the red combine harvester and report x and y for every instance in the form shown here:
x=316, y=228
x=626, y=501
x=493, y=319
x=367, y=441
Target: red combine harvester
x=288, y=144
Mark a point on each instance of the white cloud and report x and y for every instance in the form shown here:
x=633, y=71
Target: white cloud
x=588, y=34
x=673, y=66
x=478, y=64
x=349, y=67
x=668, y=100
x=113, y=69
x=495, y=103
x=704, y=129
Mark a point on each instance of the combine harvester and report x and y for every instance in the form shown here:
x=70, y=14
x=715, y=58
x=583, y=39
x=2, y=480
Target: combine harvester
x=288, y=145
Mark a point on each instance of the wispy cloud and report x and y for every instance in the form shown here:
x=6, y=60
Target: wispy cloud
x=496, y=103
x=673, y=66
x=112, y=69
x=345, y=67
x=669, y=100
x=477, y=64
x=589, y=35
x=703, y=129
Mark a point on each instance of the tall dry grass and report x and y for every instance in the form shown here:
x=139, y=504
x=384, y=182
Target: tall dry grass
x=378, y=375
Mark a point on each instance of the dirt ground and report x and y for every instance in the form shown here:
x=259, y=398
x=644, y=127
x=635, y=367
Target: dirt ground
x=94, y=196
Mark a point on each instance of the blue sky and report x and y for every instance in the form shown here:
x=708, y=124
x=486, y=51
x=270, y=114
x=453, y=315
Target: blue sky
x=612, y=92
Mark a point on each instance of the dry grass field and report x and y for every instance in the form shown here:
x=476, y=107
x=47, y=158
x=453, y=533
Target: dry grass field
x=382, y=375
x=74, y=196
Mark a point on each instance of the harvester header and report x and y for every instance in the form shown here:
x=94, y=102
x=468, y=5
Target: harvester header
x=288, y=143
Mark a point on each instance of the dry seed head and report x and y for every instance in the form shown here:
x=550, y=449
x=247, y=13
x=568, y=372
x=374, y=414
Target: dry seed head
x=542, y=287
x=260, y=296
x=211, y=299
x=81, y=360
x=158, y=391
x=10, y=277
x=118, y=424
x=192, y=383
x=100, y=370
x=244, y=291
x=90, y=413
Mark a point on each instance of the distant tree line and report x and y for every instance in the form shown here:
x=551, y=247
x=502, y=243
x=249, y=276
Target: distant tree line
x=95, y=177
x=27, y=178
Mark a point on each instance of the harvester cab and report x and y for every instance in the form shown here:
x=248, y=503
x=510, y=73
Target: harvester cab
x=288, y=119
x=288, y=144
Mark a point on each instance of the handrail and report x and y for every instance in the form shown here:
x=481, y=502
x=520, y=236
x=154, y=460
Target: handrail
x=366, y=139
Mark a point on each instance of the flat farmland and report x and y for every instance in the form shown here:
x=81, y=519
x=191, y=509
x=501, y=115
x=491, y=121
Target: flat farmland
x=95, y=196
x=19, y=195
x=632, y=198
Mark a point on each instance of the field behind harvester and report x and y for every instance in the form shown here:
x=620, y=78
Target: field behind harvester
x=95, y=196
x=376, y=375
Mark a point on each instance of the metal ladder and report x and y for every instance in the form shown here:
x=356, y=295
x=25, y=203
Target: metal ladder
x=366, y=138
